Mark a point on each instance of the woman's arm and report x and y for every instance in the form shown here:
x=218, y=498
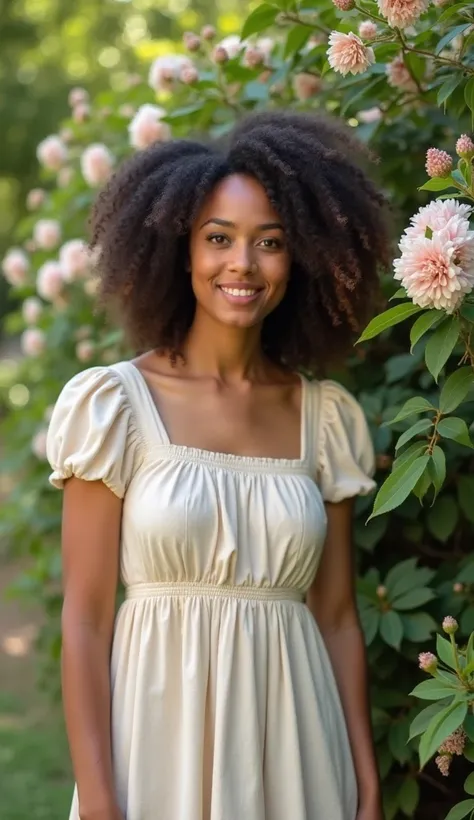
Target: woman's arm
x=331, y=599
x=90, y=545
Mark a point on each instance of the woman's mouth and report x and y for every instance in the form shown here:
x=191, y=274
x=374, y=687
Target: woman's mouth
x=238, y=294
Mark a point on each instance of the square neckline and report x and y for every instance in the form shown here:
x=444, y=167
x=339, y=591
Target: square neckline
x=220, y=456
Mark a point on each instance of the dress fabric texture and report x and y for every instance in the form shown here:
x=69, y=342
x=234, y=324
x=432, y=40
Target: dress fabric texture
x=224, y=702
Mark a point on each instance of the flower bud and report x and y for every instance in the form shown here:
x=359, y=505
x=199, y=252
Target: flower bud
x=458, y=588
x=381, y=591
x=220, y=55
x=465, y=147
x=191, y=41
x=428, y=662
x=35, y=199
x=344, y=5
x=189, y=75
x=367, y=30
x=438, y=163
x=208, y=32
x=450, y=625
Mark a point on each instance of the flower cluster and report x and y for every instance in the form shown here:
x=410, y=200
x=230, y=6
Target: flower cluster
x=436, y=266
x=453, y=745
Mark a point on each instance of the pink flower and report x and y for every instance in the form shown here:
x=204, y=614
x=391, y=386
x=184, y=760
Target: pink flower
x=81, y=112
x=38, y=444
x=74, y=259
x=31, y=310
x=33, y=342
x=367, y=30
x=220, y=55
x=347, y=54
x=370, y=115
x=191, y=41
x=78, y=96
x=147, y=127
x=450, y=625
x=438, y=163
x=443, y=763
x=465, y=147
x=253, y=57
x=35, y=199
x=96, y=164
x=15, y=267
x=47, y=234
x=165, y=71
x=306, y=86
x=233, y=45
x=398, y=75
x=455, y=743
x=344, y=5
x=429, y=272
x=402, y=13
x=458, y=587
x=85, y=350
x=208, y=32
x=52, y=153
x=50, y=281
x=189, y=75
x=427, y=661
x=437, y=215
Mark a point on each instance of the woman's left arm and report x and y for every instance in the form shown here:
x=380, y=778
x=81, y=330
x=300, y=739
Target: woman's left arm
x=332, y=601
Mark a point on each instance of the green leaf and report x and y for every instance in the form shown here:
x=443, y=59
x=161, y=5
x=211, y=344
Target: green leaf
x=451, y=34
x=445, y=651
x=441, y=345
x=389, y=318
x=438, y=183
x=437, y=468
x=421, y=426
x=467, y=312
x=413, y=599
x=469, y=784
x=443, y=517
x=261, y=18
x=469, y=94
x=466, y=496
x=370, y=619
x=434, y=689
x=409, y=455
x=391, y=628
x=447, y=89
x=424, y=718
x=423, y=324
x=297, y=37
x=418, y=626
x=451, y=11
x=455, y=429
x=409, y=796
x=413, y=406
x=398, y=485
x=441, y=726
x=461, y=810
x=455, y=389
x=399, y=294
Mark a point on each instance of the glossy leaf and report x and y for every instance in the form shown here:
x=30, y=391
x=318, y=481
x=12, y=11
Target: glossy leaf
x=437, y=468
x=391, y=628
x=424, y=323
x=399, y=485
x=434, y=689
x=461, y=810
x=413, y=599
x=392, y=316
x=455, y=389
x=418, y=404
x=439, y=183
x=455, y=429
x=419, y=427
x=424, y=718
x=440, y=727
x=260, y=19
x=441, y=344
x=443, y=517
x=445, y=651
x=418, y=626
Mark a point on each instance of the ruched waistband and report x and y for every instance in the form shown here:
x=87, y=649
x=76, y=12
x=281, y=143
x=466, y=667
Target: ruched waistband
x=249, y=593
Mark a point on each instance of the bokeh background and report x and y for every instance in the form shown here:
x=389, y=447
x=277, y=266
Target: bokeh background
x=83, y=85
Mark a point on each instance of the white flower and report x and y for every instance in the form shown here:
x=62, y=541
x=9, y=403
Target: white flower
x=96, y=164
x=232, y=44
x=52, y=153
x=146, y=126
x=33, y=342
x=165, y=71
x=15, y=267
x=370, y=115
x=50, y=281
x=47, y=234
x=74, y=259
x=31, y=310
x=347, y=54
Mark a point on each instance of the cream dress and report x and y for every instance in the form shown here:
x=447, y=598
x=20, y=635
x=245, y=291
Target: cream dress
x=224, y=702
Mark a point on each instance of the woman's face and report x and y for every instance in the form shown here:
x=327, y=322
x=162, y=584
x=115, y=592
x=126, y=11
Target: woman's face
x=240, y=262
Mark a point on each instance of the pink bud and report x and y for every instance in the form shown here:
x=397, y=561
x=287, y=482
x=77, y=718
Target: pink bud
x=465, y=147
x=438, y=163
x=77, y=96
x=457, y=587
x=35, y=199
x=220, y=55
x=31, y=309
x=96, y=164
x=38, y=444
x=33, y=342
x=367, y=30
x=191, y=41
x=450, y=625
x=208, y=32
x=427, y=661
x=50, y=281
x=344, y=5
x=306, y=86
x=189, y=75
x=253, y=57
x=52, y=153
x=85, y=350
x=81, y=112
x=381, y=591
x=47, y=233
x=74, y=259
x=15, y=267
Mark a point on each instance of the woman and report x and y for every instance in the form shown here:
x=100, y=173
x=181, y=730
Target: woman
x=232, y=683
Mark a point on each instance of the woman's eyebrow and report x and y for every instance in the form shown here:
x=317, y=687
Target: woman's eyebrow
x=267, y=226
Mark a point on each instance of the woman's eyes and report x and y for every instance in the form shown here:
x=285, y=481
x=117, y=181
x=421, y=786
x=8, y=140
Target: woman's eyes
x=270, y=242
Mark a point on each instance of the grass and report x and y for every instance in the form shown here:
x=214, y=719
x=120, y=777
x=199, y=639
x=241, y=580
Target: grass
x=35, y=773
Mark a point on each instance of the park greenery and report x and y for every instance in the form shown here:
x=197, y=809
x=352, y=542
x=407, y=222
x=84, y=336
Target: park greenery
x=401, y=73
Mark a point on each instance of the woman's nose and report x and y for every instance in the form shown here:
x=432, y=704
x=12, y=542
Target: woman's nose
x=242, y=259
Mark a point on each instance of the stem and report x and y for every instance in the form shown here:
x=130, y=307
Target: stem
x=372, y=16
x=294, y=17
x=456, y=658
x=435, y=437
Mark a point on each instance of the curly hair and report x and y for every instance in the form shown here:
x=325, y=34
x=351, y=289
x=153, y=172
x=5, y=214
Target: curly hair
x=335, y=221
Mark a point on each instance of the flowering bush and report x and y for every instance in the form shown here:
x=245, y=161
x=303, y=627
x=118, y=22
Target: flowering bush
x=401, y=73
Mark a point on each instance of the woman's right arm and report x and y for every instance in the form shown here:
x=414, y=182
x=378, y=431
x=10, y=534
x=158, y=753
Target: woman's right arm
x=90, y=546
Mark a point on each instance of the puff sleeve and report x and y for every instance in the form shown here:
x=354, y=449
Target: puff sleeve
x=92, y=434
x=346, y=454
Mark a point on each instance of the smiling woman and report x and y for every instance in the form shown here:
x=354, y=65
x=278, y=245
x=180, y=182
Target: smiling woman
x=217, y=481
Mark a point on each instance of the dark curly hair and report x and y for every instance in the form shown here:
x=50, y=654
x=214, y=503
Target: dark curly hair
x=334, y=219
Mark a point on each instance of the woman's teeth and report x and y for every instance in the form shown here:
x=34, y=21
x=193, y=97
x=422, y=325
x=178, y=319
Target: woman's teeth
x=239, y=291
